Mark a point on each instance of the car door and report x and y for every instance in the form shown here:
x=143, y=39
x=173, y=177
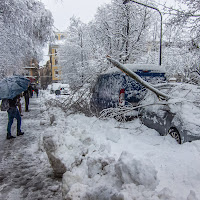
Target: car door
x=158, y=117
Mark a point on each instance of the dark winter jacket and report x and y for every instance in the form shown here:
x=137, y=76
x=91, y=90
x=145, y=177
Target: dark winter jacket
x=13, y=102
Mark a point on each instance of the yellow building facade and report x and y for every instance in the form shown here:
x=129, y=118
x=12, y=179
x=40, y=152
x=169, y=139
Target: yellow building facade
x=56, y=68
x=31, y=71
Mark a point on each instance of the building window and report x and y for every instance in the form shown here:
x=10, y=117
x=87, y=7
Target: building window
x=56, y=74
x=62, y=37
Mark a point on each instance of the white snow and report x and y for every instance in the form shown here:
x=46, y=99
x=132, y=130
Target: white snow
x=25, y=172
x=184, y=101
x=106, y=159
x=57, y=86
x=112, y=160
x=143, y=67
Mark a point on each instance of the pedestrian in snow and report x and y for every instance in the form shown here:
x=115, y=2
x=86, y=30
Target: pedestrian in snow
x=26, y=98
x=36, y=90
x=19, y=105
x=30, y=90
x=13, y=112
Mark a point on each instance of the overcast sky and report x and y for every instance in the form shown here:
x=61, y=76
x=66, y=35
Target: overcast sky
x=63, y=10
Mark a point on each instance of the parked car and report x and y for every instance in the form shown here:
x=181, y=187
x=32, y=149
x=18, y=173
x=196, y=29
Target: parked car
x=107, y=88
x=179, y=116
x=64, y=89
x=53, y=87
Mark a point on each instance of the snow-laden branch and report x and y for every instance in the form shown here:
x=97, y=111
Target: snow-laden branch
x=137, y=78
x=121, y=111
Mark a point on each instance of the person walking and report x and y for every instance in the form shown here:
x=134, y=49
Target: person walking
x=13, y=112
x=36, y=90
x=19, y=105
x=26, y=98
x=30, y=90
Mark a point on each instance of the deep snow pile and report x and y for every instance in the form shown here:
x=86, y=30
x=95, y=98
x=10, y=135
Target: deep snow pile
x=108, y=160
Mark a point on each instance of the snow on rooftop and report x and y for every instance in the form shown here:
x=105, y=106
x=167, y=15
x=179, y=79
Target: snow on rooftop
x=59, y=42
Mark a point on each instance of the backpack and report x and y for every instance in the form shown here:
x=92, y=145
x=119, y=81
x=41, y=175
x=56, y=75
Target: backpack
x=4, y=105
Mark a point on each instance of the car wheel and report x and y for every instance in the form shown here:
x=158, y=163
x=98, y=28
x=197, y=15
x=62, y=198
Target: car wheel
x=175, y=134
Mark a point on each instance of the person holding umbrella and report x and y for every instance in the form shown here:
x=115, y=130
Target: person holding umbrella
x=19, y=105
x=13, y=112
x=10, y=88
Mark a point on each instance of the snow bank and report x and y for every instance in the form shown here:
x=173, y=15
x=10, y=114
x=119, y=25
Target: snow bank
x=110, y=160
x=130, y=170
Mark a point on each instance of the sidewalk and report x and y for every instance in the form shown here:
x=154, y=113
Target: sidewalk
x=25, y=172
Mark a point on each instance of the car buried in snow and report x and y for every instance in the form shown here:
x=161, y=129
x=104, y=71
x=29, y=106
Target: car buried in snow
x=106, y=91
x=178, y=116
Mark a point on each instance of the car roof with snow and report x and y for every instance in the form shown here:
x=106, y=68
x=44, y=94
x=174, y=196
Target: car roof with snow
x=181, y=90
x=139, y=67
x=57, y=86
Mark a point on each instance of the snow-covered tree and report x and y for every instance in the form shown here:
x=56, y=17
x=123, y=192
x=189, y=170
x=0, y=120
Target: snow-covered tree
x=122, y=29
x=72, y=54
x=118, y=30
x=182, y=53
x=78, y=58
x=187, y=19
x=25, y=26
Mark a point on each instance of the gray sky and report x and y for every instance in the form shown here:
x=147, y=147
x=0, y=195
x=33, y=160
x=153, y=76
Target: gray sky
x=63, y=10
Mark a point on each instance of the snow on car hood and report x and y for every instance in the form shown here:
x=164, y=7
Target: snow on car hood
x=184, y=103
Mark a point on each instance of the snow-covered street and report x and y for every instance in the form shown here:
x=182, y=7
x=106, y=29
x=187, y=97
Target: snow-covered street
x=114, y=108
x=24, y=169
x=104, y=159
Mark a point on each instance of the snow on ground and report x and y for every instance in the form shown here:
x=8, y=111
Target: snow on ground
x=103, y=159
x=25, y=172
x=112, y=160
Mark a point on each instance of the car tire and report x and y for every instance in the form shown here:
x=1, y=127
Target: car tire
x=175, y=134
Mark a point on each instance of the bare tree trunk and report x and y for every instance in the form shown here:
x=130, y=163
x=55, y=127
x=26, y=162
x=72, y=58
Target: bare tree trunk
x=137, y=78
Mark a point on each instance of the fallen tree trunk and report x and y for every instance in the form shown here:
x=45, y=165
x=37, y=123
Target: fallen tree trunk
x=137, y=78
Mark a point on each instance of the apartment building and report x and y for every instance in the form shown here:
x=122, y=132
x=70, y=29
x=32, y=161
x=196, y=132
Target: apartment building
x=32, y=71
x=55, y=67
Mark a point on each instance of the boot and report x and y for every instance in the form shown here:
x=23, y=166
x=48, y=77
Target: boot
x=20, y=133
x=9, y=136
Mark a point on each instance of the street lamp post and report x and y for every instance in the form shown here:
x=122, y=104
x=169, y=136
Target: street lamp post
x=160, y=57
